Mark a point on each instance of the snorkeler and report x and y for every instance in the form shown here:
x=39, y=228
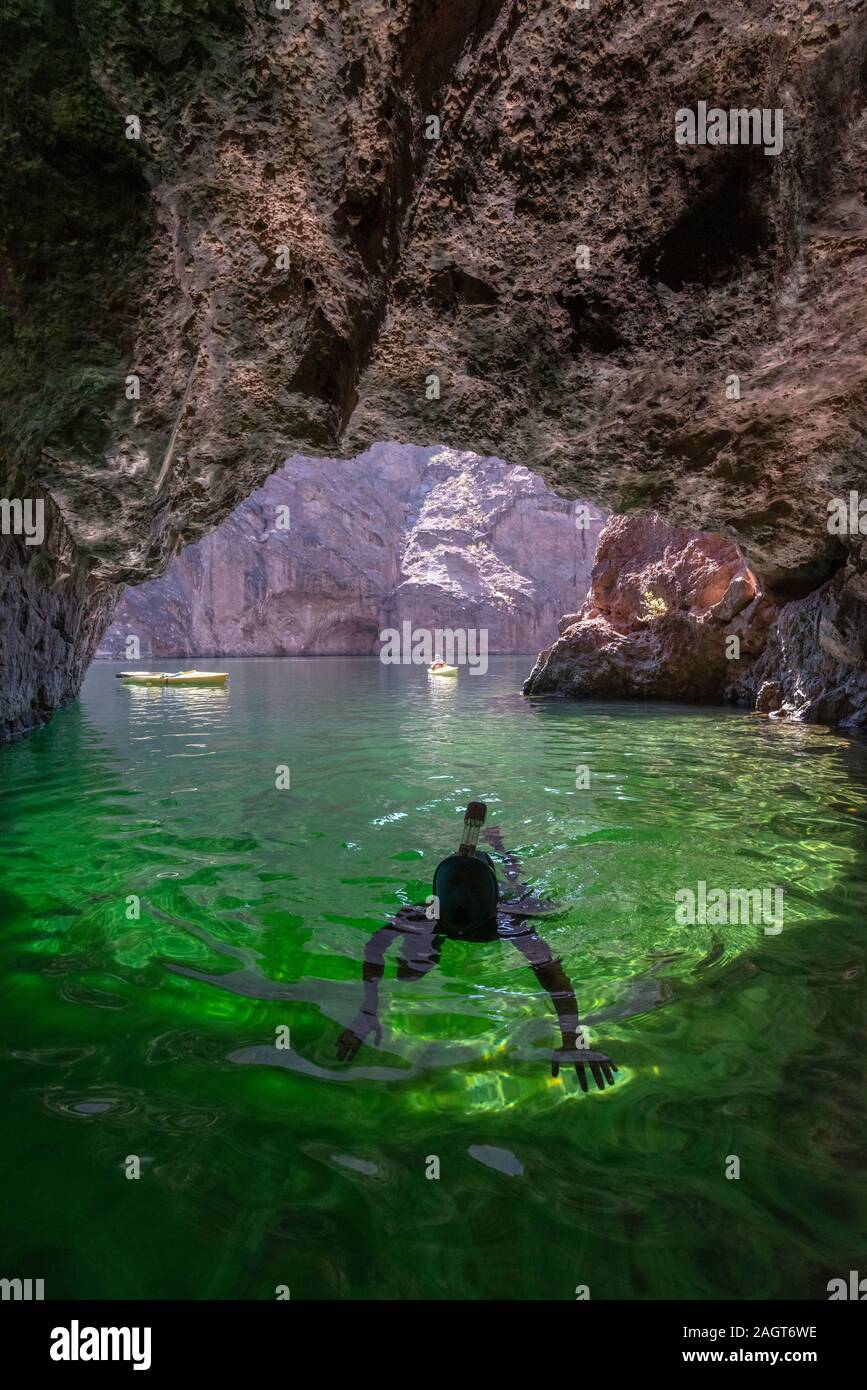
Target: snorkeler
x=466, y=906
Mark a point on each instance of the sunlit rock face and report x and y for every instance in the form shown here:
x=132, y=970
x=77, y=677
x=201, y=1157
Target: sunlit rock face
x=662, y=608
x=284, y=260
x=435, y=537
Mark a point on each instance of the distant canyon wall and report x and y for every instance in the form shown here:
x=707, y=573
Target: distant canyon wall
x=436, y=536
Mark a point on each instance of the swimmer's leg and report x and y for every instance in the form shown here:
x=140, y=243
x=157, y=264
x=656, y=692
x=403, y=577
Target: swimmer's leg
x=419, y=952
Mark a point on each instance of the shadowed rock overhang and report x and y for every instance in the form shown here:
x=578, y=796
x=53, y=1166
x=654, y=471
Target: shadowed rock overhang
x=284, y=261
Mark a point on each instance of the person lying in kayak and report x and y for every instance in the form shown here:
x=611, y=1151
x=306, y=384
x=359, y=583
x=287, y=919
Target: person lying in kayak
x=466, y=906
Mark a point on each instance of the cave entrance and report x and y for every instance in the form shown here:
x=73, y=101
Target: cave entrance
x=330, y=553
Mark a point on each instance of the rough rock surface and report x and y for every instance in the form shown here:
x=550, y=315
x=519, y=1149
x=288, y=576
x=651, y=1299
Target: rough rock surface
x=52, y=615
x=306, y=129
x=662, y=604
x=436, y=537
x=814, y=666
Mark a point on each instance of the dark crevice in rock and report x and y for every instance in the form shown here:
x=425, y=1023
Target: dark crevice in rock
x=798, y=583
x=592, y=327
x=437, y=33
x=723, y=228
x=451, y=286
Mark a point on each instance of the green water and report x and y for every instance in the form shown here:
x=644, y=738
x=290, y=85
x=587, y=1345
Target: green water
x=264, y=1166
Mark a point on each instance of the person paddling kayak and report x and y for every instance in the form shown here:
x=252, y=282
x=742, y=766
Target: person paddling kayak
x=466, y=906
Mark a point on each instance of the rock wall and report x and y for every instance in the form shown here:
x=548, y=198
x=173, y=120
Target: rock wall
x=663, y=603
x=52, y=615
x=289, y=252
x=438, y=537
x=662, y=606
x=814, y=666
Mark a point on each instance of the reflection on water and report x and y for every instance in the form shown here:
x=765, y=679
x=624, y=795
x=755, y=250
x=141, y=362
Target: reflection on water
x=187, y=700
x=166, y=908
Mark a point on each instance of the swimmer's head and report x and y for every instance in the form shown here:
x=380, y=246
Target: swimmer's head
x=467, y=892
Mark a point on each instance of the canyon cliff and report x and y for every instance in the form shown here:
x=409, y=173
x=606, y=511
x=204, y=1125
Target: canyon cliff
x=329, y=552
x=233, y=234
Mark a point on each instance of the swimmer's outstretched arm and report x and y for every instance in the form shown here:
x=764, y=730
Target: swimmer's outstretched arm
x=509, y=862
x=367, y=1019
x=554, y=980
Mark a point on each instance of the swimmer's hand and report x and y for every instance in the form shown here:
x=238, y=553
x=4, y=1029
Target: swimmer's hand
x=351, y=1038
x=600, y=1066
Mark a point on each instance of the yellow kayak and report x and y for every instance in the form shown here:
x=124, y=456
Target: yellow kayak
x=442, y=670
x=174, y=677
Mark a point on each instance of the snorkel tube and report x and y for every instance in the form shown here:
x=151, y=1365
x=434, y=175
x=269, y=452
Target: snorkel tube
x=474, y=819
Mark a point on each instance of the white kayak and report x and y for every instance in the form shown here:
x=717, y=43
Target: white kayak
x=174, y=677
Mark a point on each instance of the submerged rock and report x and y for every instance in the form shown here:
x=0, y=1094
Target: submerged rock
x=433, y=536
x=501, y=1160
